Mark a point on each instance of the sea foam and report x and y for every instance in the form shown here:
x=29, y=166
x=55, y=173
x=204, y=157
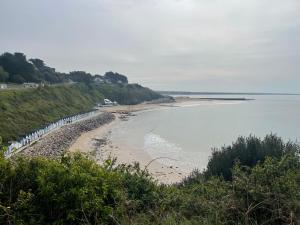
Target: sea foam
x=166, y=152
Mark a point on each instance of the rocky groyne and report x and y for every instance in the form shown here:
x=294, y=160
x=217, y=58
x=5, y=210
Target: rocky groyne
x=54, y=144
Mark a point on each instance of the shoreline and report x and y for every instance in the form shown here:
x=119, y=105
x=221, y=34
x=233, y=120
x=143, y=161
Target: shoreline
x=99, y=145
x=93, y=137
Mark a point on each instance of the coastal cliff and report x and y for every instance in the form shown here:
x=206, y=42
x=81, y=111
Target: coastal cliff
x=26, y=109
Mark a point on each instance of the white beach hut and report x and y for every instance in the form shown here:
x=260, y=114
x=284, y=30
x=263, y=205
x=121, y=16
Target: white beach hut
x=3, y=86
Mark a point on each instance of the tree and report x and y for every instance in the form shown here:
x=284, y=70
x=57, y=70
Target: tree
x=17, y=78
x=17, y=64
x=81, y=76
x=3, y=75
x=115, y=77
x=48, y=74
x=38, y=63
x=21, y=70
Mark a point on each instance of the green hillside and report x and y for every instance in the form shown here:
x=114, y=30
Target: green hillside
x=24, y=110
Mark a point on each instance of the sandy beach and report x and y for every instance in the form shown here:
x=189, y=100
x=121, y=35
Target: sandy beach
x=99, y=145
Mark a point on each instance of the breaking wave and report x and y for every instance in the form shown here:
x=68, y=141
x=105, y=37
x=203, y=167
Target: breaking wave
x=169, y=154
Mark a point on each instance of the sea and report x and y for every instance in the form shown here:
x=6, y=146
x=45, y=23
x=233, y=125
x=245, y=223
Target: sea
x=186, y=134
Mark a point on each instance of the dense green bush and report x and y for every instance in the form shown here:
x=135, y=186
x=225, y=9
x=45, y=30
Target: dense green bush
x=268, y=193
x=75, y=190
x=248, y=151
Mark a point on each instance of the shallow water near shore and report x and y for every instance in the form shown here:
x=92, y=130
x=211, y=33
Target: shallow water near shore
x=184, y=136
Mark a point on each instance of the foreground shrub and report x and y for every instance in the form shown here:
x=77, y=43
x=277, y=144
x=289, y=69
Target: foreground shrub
x=268, y=193
x=248, y=151
x=75, y=190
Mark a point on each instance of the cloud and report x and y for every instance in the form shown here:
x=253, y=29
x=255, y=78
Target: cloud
x=212, y=45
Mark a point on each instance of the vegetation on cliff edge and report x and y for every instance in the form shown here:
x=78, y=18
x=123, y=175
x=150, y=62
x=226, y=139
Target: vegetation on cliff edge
x=24, y=110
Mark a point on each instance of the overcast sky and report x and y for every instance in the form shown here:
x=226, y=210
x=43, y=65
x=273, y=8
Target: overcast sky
x=193, y=45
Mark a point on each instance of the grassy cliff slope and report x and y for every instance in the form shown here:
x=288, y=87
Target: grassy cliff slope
x=24, y=110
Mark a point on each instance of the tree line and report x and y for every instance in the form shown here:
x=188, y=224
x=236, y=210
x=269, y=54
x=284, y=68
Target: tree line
x=15, y=68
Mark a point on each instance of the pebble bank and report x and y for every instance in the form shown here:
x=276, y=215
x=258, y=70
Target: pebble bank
x=56, y=143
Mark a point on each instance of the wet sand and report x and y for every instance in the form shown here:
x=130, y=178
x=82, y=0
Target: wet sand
x=99, y=145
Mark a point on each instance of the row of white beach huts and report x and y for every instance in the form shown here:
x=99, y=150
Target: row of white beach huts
x=28, y=139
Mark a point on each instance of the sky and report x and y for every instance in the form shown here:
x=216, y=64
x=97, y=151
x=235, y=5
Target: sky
x=183, y=45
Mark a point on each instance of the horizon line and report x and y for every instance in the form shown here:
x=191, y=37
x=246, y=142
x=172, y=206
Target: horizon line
x=226, y=93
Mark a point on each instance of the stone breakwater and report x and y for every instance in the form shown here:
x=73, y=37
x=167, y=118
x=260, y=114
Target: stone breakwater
x=54, y=144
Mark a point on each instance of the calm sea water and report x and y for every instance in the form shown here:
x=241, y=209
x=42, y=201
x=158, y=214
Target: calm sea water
x=187, y=134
